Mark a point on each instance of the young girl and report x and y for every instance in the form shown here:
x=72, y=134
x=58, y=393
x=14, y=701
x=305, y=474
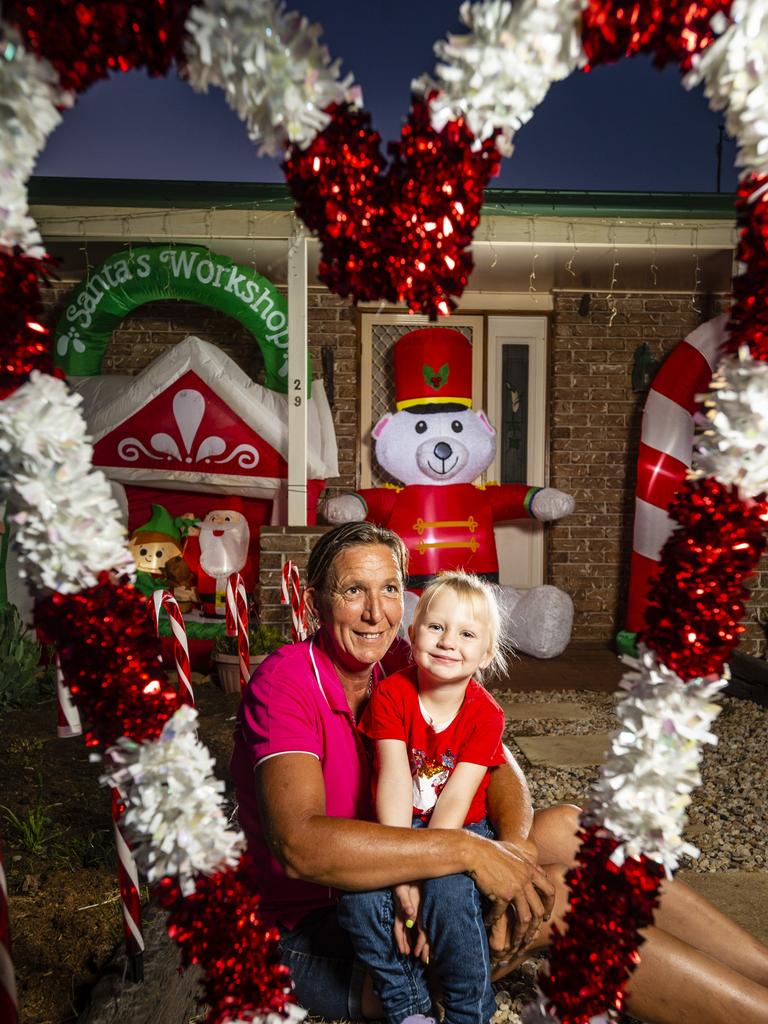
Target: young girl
x=437, y=734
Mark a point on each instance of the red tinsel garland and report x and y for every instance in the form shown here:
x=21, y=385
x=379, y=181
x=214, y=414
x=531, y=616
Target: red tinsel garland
x=218, y=927
x=697, y=601
x=590, y=963
x=86, y=40
x=339, y=187
x=672, y=30
x=400, y=235
x=24, y=342
x=110, y=658
x=749, y=316
x=436, y=187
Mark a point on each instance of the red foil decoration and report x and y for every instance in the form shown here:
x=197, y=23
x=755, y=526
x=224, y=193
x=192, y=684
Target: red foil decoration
x=590, y=964
x=86, y=39
x=697, y=600
x=110, y=659
x=436, y=188
x=24, y=342
x=397, y=235
x=749, y=316
x=218, y=927
x=339, y=188
x=672, y=30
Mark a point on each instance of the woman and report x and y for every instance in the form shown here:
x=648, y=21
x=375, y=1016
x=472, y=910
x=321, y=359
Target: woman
x=302, y=780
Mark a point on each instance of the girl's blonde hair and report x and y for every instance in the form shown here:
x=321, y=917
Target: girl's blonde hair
x=482, y=597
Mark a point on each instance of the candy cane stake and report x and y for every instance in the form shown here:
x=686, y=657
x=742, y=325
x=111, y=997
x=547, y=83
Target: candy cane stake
x=666, y=449
x=9, y=1007
x=292, y=593
x=237, y=624
x=128, y=878
x=69, y=717
x=165, y=599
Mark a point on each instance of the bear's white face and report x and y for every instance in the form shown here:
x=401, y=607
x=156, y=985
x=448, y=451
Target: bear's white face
x=435, y=447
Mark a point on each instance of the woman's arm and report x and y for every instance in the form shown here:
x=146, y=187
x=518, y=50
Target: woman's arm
x=509, y=804
x=459, y=791
x=394, y=784
x=360, y=855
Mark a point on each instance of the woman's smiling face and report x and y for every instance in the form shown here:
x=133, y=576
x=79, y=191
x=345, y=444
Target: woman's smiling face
x=362, y=607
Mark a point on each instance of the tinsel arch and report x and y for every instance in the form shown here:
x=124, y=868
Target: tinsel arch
x=397, y=228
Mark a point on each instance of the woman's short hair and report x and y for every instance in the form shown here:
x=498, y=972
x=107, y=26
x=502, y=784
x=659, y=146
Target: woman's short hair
x=351, y=535
x=483, y=598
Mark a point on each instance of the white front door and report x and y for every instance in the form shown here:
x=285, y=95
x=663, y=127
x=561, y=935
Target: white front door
x=516, y=406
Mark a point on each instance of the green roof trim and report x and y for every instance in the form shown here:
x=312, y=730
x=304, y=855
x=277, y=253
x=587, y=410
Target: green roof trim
x=125, y=192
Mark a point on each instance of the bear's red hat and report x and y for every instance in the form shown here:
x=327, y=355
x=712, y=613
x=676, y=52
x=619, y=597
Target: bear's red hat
x=433, y=366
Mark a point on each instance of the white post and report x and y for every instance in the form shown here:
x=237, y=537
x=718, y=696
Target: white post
x=297, y=379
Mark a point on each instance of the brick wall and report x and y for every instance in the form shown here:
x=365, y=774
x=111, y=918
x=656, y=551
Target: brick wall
x=594, y=433
x=594, y=428
x=277, y=544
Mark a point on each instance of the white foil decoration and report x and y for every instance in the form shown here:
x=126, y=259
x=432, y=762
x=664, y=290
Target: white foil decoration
x=66, y=522
x=646, y=780
x=734, y=70
x=732, y=443
x=274, y=72
x=498, y=73
x=174, y=811
x=29, y=95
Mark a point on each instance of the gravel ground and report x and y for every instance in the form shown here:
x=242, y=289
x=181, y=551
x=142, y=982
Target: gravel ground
x=727, y=815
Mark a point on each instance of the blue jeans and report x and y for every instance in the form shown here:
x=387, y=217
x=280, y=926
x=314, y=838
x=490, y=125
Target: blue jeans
x=452, y=916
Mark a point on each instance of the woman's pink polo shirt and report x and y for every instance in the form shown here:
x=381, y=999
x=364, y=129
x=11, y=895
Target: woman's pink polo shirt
x=295, y=703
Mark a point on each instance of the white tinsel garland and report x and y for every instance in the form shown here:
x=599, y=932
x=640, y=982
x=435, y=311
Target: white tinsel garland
x=732, y=443
x=734, y=70
x=500, y=71
x=174, y=813
x=66, y=522
x=646, y=781
x=29, y=95
x=274, y=72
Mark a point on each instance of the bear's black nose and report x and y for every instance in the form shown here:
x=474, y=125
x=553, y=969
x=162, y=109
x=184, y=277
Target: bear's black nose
x=443, y=451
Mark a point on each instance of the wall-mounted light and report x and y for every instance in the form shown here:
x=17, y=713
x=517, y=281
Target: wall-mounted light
x=643, y=368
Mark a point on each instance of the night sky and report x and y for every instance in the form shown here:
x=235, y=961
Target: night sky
x=625, y=127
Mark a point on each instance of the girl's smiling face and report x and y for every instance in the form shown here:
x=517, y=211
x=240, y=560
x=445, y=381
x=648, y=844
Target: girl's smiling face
x=449, y=640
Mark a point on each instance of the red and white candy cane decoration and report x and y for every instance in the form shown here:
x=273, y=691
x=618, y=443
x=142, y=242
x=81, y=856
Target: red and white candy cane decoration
x=165, y=599
x=292, y=593
x=69, y=717
x=666, y=448
x=9, y=1009
x=128, y=878
x=237, y=623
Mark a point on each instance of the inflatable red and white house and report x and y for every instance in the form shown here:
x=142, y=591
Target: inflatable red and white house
x=192, y=430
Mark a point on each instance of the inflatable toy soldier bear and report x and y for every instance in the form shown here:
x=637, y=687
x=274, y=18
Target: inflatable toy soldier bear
x=436, y=445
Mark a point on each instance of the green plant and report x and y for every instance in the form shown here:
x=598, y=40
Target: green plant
x=261, y=640
x=32, y=830
x=19, y=661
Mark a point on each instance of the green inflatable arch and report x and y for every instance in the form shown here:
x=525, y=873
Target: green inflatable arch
x=131, y=278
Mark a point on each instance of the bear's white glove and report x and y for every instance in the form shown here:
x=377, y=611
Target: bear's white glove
x=551, y=504
x=347, y=508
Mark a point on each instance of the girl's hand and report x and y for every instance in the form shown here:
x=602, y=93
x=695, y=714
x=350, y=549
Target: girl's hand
x=409, y=935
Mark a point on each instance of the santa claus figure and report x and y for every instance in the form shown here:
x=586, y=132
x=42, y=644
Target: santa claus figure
x=216, y=548
x=437, y=446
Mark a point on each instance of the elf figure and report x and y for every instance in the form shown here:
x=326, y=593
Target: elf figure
x=157, y=551
x=436, y=445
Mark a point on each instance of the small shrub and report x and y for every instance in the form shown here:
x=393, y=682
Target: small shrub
x=31, y=831
x=261, y=640
x=20, y=671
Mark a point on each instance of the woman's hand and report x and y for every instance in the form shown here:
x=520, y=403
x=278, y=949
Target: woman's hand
x=508, y=877
x=410, y=937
